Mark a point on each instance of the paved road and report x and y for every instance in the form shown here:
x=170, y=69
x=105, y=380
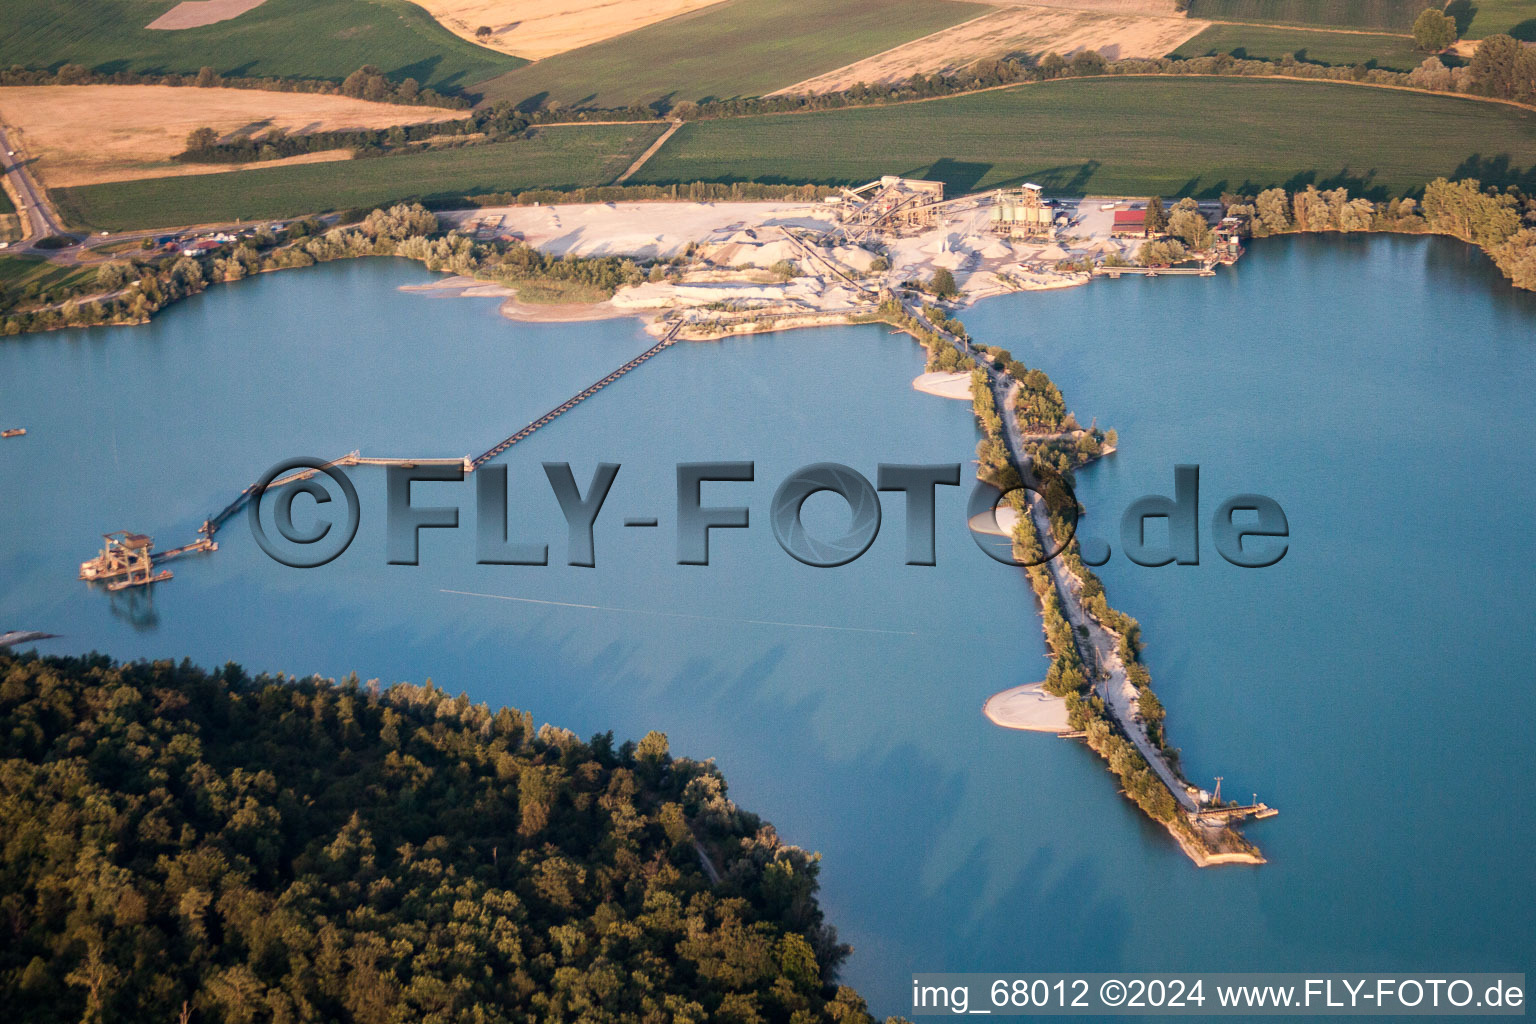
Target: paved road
x=39, y=219
x=42, y=221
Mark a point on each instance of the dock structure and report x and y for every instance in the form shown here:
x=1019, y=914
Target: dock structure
x=1237, y=813
x=1207, y=268
x=127, y=560
x=355, y=457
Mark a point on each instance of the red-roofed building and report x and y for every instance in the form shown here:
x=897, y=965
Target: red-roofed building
x=1130, y=224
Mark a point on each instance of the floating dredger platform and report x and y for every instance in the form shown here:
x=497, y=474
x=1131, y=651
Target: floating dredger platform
x=128, y=560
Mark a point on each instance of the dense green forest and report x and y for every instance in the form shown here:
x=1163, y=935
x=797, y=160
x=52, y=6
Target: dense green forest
x=181, y=845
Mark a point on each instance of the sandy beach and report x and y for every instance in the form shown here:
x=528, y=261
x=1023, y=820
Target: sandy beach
x=1028, y=708
x=945, y=385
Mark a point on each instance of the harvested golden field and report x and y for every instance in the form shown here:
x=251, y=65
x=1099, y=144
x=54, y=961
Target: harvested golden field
x=88, y=134
x=535, y=29
x=1150, y=8
x=197, y=13
x=1035, y=29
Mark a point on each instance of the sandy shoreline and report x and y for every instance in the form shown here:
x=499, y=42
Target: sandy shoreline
x=460, y=287
x=1028, y=708
x=945, y=385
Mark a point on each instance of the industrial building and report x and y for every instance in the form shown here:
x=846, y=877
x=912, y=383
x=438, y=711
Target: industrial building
x=1023, y=213
x=891, y=203
x=1130, y=223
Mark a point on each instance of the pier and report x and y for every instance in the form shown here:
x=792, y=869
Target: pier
x=1205, y=269
x=1236, y=813
x=576, y=399
x=127, y=559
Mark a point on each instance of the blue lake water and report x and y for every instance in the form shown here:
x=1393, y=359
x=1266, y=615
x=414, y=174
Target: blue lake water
x=1376, y=685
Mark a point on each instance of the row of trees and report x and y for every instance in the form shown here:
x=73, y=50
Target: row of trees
x=367, y=82
x=489, y=124
x=1505, y=68
x=943, y=356
x=1501, y=221
x=130, y=291
x=1500, y=68
x=1067, y=677
x=698, y=191
x=211, y=847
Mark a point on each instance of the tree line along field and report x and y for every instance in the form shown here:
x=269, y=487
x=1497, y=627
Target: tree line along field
x=565, y=157
x=282, y=38
x=1262, y=42
x=736, y=48
x=1124, y=136
x=1394, y=15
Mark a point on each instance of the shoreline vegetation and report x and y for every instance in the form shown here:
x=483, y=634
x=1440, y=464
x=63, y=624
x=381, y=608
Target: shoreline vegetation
x=1051, y=438
x=132, y=288
x=184, y=844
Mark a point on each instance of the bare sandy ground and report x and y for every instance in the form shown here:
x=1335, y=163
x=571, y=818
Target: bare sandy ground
x=1027, y=707
x=84, y=134
x=1018, y=28
x=459, y=287
x=1149, y=8
x=648, y=230
x=945, y=385
x=736, y=247
x=1000, y=525
x=195, y=13
x=535, y=29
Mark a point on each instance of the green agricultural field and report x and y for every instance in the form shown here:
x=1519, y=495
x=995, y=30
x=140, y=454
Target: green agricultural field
x=32, y=277
x=1396, y=15
x=1476, y=19
x=283, y=38
x=1131, y=136
x=737, y=48
x=1259, y=42
x=10, y=221
x=586, y=155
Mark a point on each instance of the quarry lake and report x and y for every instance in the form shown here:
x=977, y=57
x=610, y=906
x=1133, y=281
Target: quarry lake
x=1377, y=685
